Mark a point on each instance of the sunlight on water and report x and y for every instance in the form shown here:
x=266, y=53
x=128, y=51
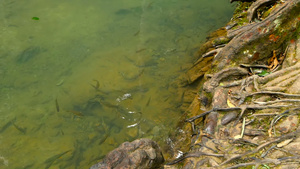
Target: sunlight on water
x=89, y=75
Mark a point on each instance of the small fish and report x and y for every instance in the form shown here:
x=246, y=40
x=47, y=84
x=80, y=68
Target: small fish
x=107, y=133
x=51, y=160
x=22, y=130
x=135, y=34
x=140, y=50
x=103, y=139
x=8, y=124
x=148, y=102
x=77, y=113
x=56, y=104
x=97, y=85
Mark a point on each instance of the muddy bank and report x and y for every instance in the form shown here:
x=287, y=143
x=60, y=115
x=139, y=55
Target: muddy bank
x=244, y=104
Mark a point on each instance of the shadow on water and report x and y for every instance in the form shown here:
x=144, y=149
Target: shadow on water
x=89, y=75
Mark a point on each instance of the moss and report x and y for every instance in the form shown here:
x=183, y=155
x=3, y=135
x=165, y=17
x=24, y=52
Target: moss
x=240, y=15
x=265, y=11
x=220, y=40
x=241, y=7
x=248, y=99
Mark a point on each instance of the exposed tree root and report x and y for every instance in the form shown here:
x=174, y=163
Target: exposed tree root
x=236, y=79
x=276, y=140
x=195, y=154
x=252, y=11
x=242, y=108
x=258, y=162
x=279, y=73
x=211, y=53
x=216, y=79
x=244, y=37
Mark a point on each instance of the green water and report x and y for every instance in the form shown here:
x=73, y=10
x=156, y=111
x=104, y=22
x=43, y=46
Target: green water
x=89, y=75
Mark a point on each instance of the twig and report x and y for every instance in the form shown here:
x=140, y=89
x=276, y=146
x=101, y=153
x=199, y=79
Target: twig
x=266, y=152
x=277, y=101
x=240, y=116
x=195, y=154
x=274, y=93
x=211, y=53
x=254, y=66
x=237, y=108
x=263, y=114
x=276, y=140
x=274, y=121
x=198, y=116
x=264, y=161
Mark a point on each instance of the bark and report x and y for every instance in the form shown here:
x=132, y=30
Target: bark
x=256, y=41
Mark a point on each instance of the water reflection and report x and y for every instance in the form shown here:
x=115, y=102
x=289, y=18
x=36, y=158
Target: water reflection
x=110, y=66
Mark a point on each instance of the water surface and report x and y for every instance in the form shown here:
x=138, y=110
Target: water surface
x=89, y=75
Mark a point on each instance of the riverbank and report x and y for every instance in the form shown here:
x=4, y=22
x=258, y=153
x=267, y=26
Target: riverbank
x=245, y=110
x=248, y=99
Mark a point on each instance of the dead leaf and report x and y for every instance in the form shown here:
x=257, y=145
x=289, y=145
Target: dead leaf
x=284, y=143
x=230, y=104
x=275, y=63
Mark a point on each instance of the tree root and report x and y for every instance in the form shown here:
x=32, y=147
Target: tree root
x=251, y=44
x=274, y=93
x=256, y=33
x=265, y=161
x=277, y=101
x=279, y=73
x=252, y=11
x=212, y=52
x=276, y=140
x=216, y=79
x=195, y=154
x=244, y=107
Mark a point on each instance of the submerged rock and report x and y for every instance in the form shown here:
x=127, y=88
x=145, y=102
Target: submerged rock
x=139, y=154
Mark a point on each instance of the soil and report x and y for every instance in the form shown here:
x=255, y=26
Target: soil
x=246, y=110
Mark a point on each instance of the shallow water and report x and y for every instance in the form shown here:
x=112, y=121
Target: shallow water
x=89, y=75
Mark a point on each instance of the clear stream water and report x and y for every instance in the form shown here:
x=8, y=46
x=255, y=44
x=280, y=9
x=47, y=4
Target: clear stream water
x=89, y=75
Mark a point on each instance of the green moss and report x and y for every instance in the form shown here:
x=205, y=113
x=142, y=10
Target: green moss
x=240, y=15
x=241, y=7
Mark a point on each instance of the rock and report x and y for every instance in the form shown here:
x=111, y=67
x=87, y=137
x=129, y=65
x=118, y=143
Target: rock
x=289, y=124
x=293, y=147
x=139, y=154
x=220, y=97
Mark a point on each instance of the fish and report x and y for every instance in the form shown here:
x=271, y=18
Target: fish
x=51, y=160
x=97, y=85
x=8, y=124
x=77, y=113
x=56, y=105
x=22, y=130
